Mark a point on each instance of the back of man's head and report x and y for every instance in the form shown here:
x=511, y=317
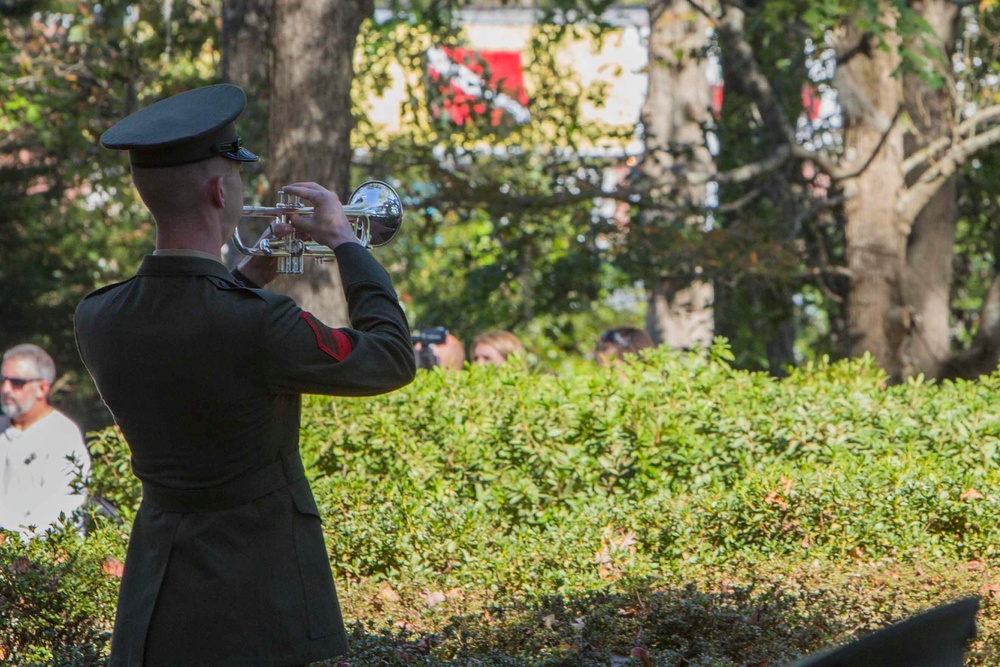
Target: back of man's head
x=175, y=193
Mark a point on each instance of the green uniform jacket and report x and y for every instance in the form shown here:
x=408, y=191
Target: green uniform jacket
x=226, y=564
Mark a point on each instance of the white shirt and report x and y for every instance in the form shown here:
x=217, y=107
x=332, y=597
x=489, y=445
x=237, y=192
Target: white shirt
x=36, y=472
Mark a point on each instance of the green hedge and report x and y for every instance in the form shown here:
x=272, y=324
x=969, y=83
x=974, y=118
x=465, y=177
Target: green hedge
x=751, y=517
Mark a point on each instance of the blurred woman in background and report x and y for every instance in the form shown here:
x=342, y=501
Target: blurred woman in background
x=493, y=347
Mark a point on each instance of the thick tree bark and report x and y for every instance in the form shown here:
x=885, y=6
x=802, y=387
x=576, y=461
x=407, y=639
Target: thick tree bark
x=310, y=121
x=245, y=41
x=681, y=318
x=677, y=104
x=927, y=284
x=870, y=98
x=931, y=246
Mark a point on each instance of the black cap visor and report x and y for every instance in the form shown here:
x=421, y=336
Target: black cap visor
x=241, y=155
x=234, y=151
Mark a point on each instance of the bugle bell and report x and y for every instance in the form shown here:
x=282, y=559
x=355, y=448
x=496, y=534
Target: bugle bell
x=374, y=211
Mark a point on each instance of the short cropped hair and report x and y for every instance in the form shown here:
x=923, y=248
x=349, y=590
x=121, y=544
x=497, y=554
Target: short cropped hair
x=45, y=368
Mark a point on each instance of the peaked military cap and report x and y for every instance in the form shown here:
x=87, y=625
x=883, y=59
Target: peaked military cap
x=195, y=125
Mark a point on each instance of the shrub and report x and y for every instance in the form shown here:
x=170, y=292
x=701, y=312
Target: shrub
x=57, y=598
x=673, y=504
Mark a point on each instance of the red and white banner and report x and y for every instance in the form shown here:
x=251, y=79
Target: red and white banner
x=473, y=81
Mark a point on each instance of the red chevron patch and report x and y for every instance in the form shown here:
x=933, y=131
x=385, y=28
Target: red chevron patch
x=332, y=341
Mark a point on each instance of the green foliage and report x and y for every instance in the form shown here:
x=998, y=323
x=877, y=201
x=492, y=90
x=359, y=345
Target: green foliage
x=71, y=219
x=672, y=447
x=500, y=225
x=111, y=476
x=56, y=602
x=672, y=503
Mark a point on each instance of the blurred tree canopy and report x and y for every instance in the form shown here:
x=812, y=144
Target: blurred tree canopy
x=69, y=219
x=836, y=226
x=502, y=230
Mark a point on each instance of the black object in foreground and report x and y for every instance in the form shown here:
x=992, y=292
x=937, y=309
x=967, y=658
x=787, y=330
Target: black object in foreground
x=934, y=638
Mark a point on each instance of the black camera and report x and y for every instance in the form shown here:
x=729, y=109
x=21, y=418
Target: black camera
x=425, y=355
x=432, y=336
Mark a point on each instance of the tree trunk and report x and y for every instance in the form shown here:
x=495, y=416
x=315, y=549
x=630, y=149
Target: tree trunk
x=245, y=41
x=310, y=122
x=927, y=284
x=246, y=61
x=681, y=318
x=931, y=246
x=677, y=104
x=869, y=98
x=982, y=356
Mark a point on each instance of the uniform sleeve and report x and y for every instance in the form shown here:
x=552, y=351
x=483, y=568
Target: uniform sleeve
x=373, y=356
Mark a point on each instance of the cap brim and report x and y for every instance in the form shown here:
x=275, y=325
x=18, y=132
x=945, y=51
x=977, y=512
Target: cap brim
x=240, y=155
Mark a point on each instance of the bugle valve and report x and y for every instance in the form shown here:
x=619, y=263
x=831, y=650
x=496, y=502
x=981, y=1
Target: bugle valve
x=374, y=211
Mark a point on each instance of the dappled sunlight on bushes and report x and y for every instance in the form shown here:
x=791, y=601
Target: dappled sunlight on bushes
x=671, y=505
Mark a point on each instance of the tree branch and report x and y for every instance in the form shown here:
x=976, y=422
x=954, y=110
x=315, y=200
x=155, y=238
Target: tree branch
x=701, y=9
x=935, y=147
x=740, y=202
x=744, y=172
x=754, y=83
x=915, y=197
x=981, y=357
x=818, y=204
x=826, y=268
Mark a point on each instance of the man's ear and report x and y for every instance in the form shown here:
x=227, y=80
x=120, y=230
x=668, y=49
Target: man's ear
x=44, y=386
x=216, y=190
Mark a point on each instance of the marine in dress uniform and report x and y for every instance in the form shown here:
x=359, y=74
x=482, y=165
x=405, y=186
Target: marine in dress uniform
x=204, y=372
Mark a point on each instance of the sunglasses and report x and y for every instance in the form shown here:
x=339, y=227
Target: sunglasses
x=17, y=383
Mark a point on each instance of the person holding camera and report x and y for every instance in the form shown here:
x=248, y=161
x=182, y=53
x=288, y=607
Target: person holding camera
x=438, y=347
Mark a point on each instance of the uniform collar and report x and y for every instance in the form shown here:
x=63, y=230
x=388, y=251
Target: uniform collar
x=182, y=265
x=184, y=252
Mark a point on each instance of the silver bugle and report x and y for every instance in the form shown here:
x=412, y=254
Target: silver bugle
x=374, y=211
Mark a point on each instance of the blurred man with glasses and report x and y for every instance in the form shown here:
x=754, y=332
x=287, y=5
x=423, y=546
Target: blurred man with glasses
x=41, y=450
